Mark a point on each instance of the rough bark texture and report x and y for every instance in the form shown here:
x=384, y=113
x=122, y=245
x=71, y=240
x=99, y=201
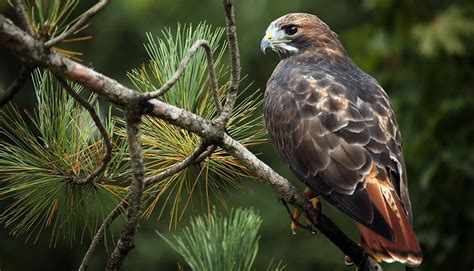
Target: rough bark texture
x=125, y=242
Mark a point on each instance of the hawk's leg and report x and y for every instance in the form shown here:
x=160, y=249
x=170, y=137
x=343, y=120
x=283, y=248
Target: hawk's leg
x=314, y=199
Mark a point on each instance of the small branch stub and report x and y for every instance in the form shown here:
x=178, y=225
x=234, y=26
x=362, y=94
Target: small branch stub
x=15, y=87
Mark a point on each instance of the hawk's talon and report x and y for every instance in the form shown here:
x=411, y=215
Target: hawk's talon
x=295, y=223
x=315, y=203
x=348, y=261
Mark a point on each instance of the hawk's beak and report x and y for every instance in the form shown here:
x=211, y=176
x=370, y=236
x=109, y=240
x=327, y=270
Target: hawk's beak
x=266, y=42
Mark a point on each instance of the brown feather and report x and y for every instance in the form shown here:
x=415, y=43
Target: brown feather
x=404, y=247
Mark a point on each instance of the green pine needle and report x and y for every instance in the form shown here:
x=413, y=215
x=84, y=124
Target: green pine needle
x=165, y=144
x=45, y=151
x=218, y=242
x=51, y=18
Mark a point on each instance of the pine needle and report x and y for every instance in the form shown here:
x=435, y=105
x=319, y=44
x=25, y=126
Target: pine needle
x=44, y=152
x=165, y=144
x=218, y=242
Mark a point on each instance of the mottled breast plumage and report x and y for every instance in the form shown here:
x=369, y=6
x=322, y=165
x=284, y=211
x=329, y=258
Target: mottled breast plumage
x=330, y=122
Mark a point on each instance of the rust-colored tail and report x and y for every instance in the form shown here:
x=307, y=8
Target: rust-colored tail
x=404, y=247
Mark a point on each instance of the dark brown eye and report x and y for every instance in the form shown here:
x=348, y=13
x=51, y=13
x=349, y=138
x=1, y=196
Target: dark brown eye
x=291, y=30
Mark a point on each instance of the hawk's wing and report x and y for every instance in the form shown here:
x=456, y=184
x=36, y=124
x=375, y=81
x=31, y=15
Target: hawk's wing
x=334, y=130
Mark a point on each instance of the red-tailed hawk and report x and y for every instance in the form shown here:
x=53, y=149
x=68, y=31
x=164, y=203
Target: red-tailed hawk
x=333, y=125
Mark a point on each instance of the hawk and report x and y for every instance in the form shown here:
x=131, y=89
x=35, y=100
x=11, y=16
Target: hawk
x=334, y=126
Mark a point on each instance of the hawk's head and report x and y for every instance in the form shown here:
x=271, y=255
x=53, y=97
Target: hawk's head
x=296, y=32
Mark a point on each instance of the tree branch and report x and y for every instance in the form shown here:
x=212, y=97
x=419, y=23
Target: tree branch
x=234, y=63
x=125, y=242
x=26, y=47
x=103, y=131
x=24, y=18
x=100, y=234
x=13, y=89
x=182, y=67
x=83, y=20
x=201, y=151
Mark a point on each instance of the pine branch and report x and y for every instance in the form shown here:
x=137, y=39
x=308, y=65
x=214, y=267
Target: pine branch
x=182, y=67
x=84, y=20
x=24, y=18
x=102, y=130
x=100, y=234
x=199, y=154
x=24, y=45
x=234, y=63
x=134, y=199
x=15, y=87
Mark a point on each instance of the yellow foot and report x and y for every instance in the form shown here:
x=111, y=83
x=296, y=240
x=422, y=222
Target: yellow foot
x=314, y=199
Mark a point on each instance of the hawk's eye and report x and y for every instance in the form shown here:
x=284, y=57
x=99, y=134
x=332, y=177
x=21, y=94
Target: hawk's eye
x=291, y=30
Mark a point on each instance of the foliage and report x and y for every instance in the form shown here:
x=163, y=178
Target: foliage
x=218, y=242
x=165, y=144
x=445, y=33
x=45, y=151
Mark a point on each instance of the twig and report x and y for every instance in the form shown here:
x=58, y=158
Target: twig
x=100, y=234
x=199, y=154
x=234, y=63
x=83, y=20
x=24, y=18
x=134, y=199
x=13, y=89
x=182, y=67
x=103, y=131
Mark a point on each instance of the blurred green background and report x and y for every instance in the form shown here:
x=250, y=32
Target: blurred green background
x=422, y=53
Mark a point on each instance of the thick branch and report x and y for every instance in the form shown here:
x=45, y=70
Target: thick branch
x=125, y=242
x=27, y=48
x=23, y=15
x=83, y=20
x=182, y=67
x=234, y=63
x=13, y=89
x=102, y=130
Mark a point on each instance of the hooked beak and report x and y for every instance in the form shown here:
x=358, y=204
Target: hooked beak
x=266, y=42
